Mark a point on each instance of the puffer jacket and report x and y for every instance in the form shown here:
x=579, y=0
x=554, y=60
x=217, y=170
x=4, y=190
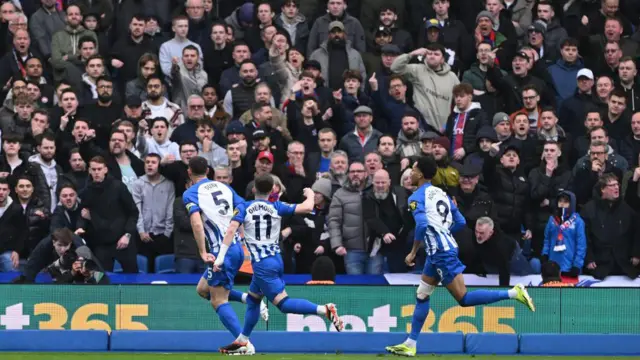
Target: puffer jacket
x=346, y=225
x=432, y=90
x=547, y=187
x=572, y=236
x=38, y=225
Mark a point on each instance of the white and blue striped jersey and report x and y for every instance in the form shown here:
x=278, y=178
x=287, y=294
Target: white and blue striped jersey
x=262, y=221
x=215, y=201
x=436, y=217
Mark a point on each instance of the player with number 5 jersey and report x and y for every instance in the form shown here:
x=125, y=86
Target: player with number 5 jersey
x=210, y=206
x=437, y=217
x=262, y=221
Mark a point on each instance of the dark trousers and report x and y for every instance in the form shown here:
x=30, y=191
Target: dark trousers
x=106, y=254
x=160, y=245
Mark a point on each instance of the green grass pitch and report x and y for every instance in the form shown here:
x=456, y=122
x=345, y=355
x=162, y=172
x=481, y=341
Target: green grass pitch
x=203, y=356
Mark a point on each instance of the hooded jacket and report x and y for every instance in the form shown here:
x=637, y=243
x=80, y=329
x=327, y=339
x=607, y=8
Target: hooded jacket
x=346, y=225
x=155, y=205
x=65, y=43
x=432, y=89
x=565, y=227
x=475, y=119
x=563, y=75
x=407, y=147
x=50, y=175
x=321, y=55
x=352, y=28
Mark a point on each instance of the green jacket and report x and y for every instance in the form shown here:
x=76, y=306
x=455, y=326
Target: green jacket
x=66, y=42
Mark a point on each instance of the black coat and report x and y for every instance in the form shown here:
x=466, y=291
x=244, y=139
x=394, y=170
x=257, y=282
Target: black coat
x=43, y=255
x=88, y=150
x=113, y=212
x=612, y=237
x=474, y=120
x=497, y=252
x=38, y=225
x=12, y=235
x=545, y=187
x=475, y=205
x=511, y=87
x=376, y=225
x=630, y=149
x=129, y=52
x=64, y=218
x=573, y=112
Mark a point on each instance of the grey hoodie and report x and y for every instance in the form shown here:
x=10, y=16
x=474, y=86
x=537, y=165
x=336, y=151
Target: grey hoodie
x=409, y=147
x=216, y=156
x=155, y=204
x=345, y=219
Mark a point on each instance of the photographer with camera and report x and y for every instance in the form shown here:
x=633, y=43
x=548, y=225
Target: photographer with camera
x=64, y=256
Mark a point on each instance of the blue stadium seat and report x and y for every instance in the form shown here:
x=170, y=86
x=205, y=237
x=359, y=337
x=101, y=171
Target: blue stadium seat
x=165, y=264
x=143, y=265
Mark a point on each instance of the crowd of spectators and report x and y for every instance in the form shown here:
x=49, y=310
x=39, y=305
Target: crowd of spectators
x=531, y=109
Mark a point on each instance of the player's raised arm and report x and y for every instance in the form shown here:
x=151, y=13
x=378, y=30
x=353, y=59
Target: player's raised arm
x=307, y=206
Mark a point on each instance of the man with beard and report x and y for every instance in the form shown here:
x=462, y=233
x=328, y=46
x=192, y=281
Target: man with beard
x=322, y=28
x=338, y=168
x=409, y=137
x=77, y=174
x=121, y=163
x=195, y=113
x=18, y=88
x=447, y=175
x=157, y=105
x=241, y=96
x=64, y=43
x=104, y=112
x=108, y=207
x=173, y=48
x=464, y=122
x=231, y=75
x=128, y=50
x=50, y=173
x=386, y=213
x=13, y=63
x=346, y=226
x=617, y=121
x=335, y=55
x=187, y=76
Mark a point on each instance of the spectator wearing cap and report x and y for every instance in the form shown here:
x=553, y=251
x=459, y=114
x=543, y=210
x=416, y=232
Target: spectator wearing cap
x=611, y=225
x=235, y=131
x=476, y=75
x=565, y=70
x=294, y=23
x=386, y=214
x=547, y=180
x=381, y=36
x=627, y=72
x=263, y=120
x=574, y=109
x=464, y=122
x=432, y=81
x=433, y=31
x=427, y=138
x=217, y=52
x=174, y=47
x=512, y=85
x=336, y=54
x=447, y=175
x=263, y=164
x=472, y=199
x=45, y=22
x=241, y=19
x=322, y=28
x=126, y=52
x=388, y=14
x=485, y=32
x=511, y=192
x=147, y=65
x=261, y=141
x=187, y=76
x=363, y=139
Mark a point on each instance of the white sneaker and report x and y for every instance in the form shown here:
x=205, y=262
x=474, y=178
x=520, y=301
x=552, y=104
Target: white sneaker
x=264, y=311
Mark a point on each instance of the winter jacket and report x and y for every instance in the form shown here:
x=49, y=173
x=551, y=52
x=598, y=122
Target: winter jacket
x=321, y=55
x=573, y=111
x=186, y=83
x=113, y=211
x=567, y=230
x=184, y=244
x=377, y=227
x=409, y=147
x=298, y=31
x=129, y=52
x=38, y=225
x=584, y=179
x=88, y=150
x=155, y=205
x=563, y=75
x=612, y=237
x=475, y=118
x=217, y=61
x=346, y=225
x=50, y=175
x=521, y=13
x=554, y=36
x=630, y=149
x=547, y=187
x=233, y=21
x=12, y=235
x=65, y=43
x=432, y=89
x=67, y=218
x=475, y=205
x=285, y=74
x=476, y=77
x=43, y=255
x=391, y=110
x=320, y=33
x=98, y=7
x=511, y=86
x=43, y=25
x=352, y=144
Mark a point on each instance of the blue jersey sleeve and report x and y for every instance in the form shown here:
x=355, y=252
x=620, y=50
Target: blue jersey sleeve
x=419, y=215
x=240, y=213
x=237, y=199
x=458, y=220
x=285, y=209
x=190, y=200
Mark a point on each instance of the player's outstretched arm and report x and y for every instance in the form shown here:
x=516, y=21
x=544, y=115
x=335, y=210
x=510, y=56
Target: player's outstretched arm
x=307, y=206
x=228, y=237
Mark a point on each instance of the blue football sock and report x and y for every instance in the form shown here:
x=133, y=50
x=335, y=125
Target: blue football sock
x=235, y=295
x=297, y=306
x=480, y=297
x=252, y=316
x=229, y=319
x=420, y=313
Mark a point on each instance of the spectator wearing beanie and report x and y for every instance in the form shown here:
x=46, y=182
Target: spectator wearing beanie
x=241, y=19
x=447, y=175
